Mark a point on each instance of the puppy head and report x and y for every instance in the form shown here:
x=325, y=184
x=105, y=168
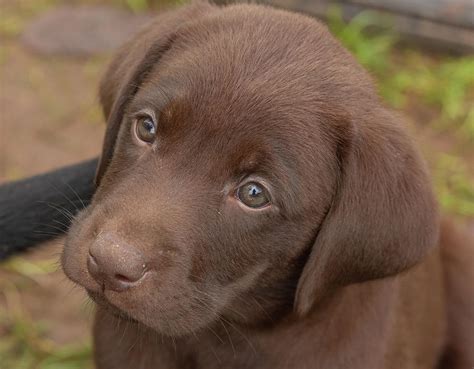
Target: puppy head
x=248, y=168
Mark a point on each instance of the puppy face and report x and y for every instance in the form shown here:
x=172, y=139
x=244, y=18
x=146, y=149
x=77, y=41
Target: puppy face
x=223, y=165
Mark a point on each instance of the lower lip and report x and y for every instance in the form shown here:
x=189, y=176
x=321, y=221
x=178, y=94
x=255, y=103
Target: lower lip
x=100, y=300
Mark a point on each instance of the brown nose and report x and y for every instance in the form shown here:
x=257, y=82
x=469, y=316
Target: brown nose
x=114, y=264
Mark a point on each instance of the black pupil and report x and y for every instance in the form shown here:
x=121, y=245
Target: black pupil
x=148, y=125
x=254, y=190
x=253, y=195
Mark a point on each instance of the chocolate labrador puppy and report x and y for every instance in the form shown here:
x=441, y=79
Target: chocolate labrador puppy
x=256, y=205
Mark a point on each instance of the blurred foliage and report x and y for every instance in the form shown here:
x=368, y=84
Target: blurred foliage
x=372, y=49
x=15, y=14
x=24, y=343
x=445, y=84
x=137, y=5
x=24, y=346
x=455, y=188
x=28, y=269
x=143, y=5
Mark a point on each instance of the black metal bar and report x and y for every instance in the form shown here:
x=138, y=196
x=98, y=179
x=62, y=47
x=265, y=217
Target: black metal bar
x=39, y=208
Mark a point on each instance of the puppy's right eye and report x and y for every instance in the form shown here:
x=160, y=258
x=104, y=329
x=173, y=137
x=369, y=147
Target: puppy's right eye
x=145, y=129
x=254, y=195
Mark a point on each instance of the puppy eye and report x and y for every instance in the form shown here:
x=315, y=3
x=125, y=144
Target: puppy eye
x=145, y=129
x=253, y=195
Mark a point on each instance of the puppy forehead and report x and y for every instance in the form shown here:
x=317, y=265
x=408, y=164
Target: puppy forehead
x=233, y=80
x=225, y=97
x=249, y=124
x=242, y=139
x=226, y=104
x=257, y=71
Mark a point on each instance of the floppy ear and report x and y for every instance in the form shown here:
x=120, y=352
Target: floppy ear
x=131, y=65
x=383, y=219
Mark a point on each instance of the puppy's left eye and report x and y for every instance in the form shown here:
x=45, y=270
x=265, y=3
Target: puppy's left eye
x=254, y=195
x=145, y=129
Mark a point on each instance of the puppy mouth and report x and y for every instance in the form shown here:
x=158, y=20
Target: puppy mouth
x=103, y=302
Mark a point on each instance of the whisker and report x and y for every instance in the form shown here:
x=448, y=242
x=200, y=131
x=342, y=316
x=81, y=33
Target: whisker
x=44, y=233
x=224, y=320
x=241, y=334
x=228, y=335
x=59, y=209
x=61, y=230
x=66, y=226
x=76, y=194
x=64, y=195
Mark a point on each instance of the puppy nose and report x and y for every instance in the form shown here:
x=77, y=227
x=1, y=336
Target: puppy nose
x=114, y=264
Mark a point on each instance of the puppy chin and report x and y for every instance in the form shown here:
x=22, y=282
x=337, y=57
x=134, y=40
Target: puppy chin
x=165, y=321
x=101, y=301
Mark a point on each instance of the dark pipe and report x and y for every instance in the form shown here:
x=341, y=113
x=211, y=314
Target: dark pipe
x=38, y=208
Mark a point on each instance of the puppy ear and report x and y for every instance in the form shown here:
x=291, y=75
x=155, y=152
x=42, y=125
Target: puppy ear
x=383, y=218
x=131, y=65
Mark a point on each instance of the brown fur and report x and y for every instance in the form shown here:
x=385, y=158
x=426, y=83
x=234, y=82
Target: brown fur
x=458, y=264
x=312, y=281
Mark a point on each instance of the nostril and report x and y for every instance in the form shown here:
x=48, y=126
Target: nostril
x=92, y=258
x=92, y=264
x=122, y=278
x=114, y=264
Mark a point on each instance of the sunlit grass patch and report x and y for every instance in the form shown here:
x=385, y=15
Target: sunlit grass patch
x=442, y=83
x=14, y=15
x=24, y=341
x=24, y=345
x=29, y=269
x=454, y=187
x=144, y=5
x=371, y=48
x=446, y=85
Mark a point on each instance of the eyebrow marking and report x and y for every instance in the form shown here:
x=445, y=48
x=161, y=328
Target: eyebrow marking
x=153, y=94
x=145, y=111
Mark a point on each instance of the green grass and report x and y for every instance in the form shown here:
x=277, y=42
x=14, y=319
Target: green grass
x=24, y=345
x=372, y=49
x=15, y=15
x=454, y=186
x=24, y=342
x=137, y=5
x=144, y=5
x=444, y=84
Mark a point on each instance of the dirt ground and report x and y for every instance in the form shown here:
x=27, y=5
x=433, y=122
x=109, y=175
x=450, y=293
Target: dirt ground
x=49, y=117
